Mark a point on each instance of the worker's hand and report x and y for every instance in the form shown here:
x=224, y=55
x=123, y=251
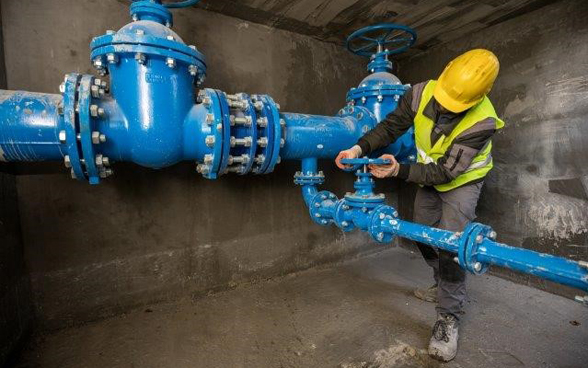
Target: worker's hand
x=353, y=152
x=384, y=171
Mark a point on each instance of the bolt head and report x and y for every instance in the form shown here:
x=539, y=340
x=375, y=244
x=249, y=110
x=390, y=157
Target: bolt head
x=140, y=57
x=96, y=137
x=67, y=161
x=170, y=37
x=94, y=110
x=112, y=58
x=492, y=235
x=62, y=88
x=170, y=62
x=193, y=69
x=477, y=267
x=380, y=236
x=479, y=239
x=98, y=64
x=382, y=216
x=62, y=136
x=140, y=32
x=209, y=140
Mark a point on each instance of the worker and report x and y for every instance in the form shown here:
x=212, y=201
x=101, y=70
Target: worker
x=454, y=122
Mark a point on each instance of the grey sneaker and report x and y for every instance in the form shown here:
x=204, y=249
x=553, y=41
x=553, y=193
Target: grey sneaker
x=429, y=294
x=443, y=344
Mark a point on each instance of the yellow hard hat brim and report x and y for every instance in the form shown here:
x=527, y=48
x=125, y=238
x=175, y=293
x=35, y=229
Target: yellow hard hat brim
x=449, y=103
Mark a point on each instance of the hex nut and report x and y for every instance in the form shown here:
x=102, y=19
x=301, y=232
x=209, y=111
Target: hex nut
x=67, y=161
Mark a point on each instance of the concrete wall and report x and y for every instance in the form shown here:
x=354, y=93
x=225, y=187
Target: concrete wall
x=536, y=197
x=146, y=236
x=16, y=312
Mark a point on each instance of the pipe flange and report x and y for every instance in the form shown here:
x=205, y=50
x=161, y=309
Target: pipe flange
x=73, y=154
x=216, y=129
x=271, y=129
x=86, y=128
x=469, y=242
x=341, y=219
x=316, y=204
x=144, y=40
x=309, y=178
x=364, y=200
x=243, y=129
x=381, y=215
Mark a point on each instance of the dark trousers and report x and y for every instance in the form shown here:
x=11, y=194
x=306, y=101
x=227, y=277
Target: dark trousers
x=451, y=210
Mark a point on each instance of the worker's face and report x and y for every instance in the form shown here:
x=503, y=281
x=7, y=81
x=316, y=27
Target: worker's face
x=442, y=109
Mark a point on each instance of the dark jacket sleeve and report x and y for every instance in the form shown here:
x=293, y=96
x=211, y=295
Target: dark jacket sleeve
x=392, y=127
x=456, y=160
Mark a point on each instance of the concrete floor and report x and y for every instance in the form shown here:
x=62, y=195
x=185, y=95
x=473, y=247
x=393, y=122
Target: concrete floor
x=358, y=314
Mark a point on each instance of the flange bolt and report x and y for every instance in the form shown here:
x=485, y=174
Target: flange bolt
x=477, y=267
x=140, y=57
x=98, y=138
x=67, y=161
x=112, y=58
x=209, y=140
x=170, y=62
x=262, y=142
x=62, y=136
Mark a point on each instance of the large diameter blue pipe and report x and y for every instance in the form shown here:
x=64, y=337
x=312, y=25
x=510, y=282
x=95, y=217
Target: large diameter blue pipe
x=319, y=136
x=29, y=126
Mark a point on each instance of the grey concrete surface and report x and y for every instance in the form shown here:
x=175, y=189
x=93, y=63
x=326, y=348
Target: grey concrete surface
x=358, y=314
x=155, y=235
x=537, y=195
x=436, y=22
x=16, y=309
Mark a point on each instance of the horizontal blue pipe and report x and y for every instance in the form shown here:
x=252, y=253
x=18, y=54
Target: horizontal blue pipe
x=29, y=126
x=318, y=136
x=556, y=269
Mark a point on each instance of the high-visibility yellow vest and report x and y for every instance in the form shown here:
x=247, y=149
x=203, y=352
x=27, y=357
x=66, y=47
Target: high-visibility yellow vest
x=481, y=163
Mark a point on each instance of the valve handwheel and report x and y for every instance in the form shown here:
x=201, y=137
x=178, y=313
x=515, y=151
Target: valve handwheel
x=357, y=162
x=381, y=39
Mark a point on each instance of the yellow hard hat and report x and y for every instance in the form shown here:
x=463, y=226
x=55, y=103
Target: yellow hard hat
x=466, y=80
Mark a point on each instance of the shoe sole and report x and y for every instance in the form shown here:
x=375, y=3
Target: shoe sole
x=441, y=358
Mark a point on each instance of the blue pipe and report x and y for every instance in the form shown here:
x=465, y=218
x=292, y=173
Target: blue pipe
x=322, y=136
x=153, y=118
x=29, y=126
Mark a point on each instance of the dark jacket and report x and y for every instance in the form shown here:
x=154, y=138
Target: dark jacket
x=458, y=156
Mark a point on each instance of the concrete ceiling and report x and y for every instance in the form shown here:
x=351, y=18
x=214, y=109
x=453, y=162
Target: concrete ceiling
x=436, y=21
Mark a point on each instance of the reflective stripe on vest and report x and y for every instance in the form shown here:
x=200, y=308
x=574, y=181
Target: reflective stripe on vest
x=429, y=153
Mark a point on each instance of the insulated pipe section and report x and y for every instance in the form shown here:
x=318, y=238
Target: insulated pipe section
x=29, y=126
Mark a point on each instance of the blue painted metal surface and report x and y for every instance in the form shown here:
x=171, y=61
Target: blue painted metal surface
x=151, y=116
x=381, y=91
x=476, y=247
